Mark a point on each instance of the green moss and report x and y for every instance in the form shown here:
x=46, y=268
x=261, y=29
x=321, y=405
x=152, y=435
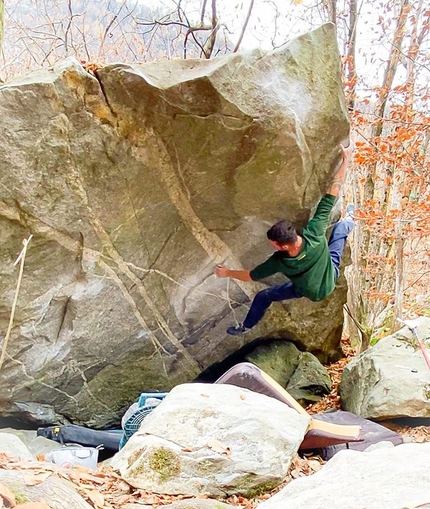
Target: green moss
x=165, y=462
x=208, y=467
x=20, y=496
x=138, y=469
x=261, y=490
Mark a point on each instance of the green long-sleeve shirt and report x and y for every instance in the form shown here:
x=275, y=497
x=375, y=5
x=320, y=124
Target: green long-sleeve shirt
x=311, y=271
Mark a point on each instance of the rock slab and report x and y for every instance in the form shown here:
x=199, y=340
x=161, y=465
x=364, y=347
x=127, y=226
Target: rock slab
x=388, y=478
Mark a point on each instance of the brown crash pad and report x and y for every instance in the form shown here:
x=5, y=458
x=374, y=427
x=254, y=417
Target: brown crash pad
x=320, y=433
x=372, y=433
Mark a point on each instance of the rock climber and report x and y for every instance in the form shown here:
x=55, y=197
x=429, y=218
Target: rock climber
x=310, y=262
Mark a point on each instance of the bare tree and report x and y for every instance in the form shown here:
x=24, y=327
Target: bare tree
x=199, y=36
x=392, y=180
x=330, y=6
x=351, y=68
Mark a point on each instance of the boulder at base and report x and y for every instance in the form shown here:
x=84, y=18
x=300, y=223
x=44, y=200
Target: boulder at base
x=135, y=183
x=30, y=485
x=14, y=446
x=390, y=379
x=301, y=373
x=36, y=445
x=212, y=439
x=386, y=478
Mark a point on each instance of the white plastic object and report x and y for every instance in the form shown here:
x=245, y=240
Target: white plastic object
x=67, y=457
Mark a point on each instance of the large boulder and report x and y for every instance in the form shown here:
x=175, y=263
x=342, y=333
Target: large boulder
x=212, y=439
x=385, y=478
x=391, y=379
x=135, y=183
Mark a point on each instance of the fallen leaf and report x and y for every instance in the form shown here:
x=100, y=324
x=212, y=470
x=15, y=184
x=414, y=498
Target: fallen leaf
x=7, y=496
x=123, y=486
x=242, y=396
x=35, y=479
x=122, y=499
x=204, y=395
x=295, y=473
x=86, y=476
x=219, y=447
x=314, y=465
x=96, y=497
x=150, y=499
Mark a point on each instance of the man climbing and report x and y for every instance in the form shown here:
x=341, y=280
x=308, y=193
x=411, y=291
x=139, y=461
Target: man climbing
x=308, y=260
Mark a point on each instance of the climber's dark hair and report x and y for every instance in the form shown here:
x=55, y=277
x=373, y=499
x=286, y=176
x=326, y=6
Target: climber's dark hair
x=282, y=232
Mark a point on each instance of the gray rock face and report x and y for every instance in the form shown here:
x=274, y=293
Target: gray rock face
x=212, y=439
x=391, y=379
x=300, y=373
x=393, y=478
x=135, y=183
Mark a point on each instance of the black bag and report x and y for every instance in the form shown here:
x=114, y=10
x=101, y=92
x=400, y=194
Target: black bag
x=72, y=434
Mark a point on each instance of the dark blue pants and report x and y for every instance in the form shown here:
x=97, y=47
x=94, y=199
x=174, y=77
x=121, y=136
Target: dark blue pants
x=264, y=299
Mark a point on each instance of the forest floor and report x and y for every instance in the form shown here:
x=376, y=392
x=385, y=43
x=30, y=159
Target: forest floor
x=105, y=489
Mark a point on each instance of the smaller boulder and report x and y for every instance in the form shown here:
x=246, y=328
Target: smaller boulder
x=35, y=444
x=214, y=440
x=12, y=445
x=390, y=379
x=310, y=381
x=279, y=359
x=301, y=373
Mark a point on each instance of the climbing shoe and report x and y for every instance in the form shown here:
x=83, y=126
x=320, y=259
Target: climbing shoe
x=237, y=330
x=349, y=212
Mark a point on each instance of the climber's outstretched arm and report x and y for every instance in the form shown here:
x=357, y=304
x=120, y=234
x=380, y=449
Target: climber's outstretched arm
x=339, y=177
x=241, y=275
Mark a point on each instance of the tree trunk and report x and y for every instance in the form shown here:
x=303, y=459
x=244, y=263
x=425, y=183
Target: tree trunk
x=400, y=280
x=372, y=247
x=391, y=68
x=416, y=40
x=351, y=72
x=332, y=11
x=1, y=23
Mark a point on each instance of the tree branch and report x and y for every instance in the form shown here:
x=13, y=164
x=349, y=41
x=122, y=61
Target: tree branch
x=242, y=33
